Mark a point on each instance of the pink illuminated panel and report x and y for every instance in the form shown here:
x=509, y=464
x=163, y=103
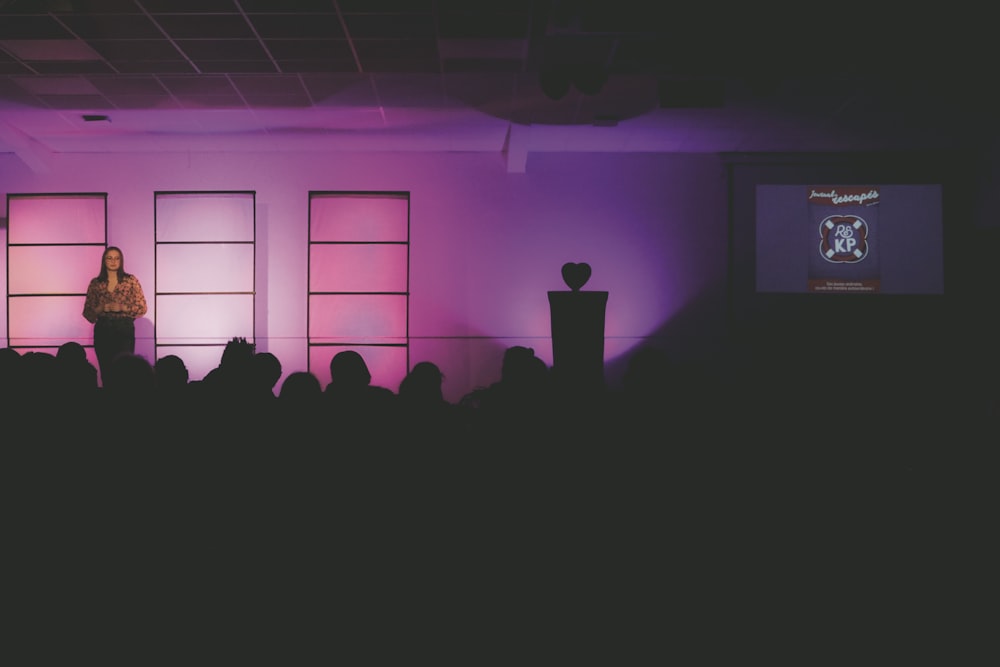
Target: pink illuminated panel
x=215, y=216
x=358, y=267
x=359, y=217
x=197, y=319
x=56, y=219
x=204, y=274
x=359, y=282
x=50, y=320
x=198, y=267
x=386, y=364
x=54, y=247
x=52, y=269
x=366, y=318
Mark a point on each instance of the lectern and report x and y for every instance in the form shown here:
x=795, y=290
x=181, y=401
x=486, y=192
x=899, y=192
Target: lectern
x=578, y=333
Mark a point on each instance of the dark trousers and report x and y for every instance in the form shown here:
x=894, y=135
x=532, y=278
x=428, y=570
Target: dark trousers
x=112, y=336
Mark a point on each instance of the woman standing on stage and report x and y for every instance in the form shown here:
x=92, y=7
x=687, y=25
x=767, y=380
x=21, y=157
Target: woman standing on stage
x=114, y=301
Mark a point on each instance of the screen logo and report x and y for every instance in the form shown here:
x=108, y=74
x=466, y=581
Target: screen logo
x=843, y=239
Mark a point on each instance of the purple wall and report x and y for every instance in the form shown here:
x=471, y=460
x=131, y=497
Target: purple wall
x=486, y=245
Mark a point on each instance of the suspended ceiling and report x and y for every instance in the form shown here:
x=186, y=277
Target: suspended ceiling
x=504, y=75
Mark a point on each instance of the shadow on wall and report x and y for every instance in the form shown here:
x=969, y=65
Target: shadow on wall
x=698, y=334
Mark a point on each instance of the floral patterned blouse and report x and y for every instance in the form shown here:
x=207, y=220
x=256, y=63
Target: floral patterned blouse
x=128, y=292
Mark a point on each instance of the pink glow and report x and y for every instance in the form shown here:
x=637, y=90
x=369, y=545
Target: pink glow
x=483, y=248
x=357, y=318
x=57, y=219
x=200, y=319
x=52, y=269
x=358, y=217
x=204, y=267
x=50, y=320
x=357, y=268
x=190, y=217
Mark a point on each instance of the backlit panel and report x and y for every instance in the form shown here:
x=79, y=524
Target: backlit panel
x=48, y=320
x=190, y=217
x=358, y=267
x=205, y=280
x=204, y=267
x=359, y=217
x=195, y=319
x=366, y=318
x=52, y=269
x=56, y=219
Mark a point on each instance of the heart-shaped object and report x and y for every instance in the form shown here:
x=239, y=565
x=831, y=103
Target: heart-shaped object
x=576, y=275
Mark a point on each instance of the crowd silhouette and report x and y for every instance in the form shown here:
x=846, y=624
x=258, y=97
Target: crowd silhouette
x=249, y=494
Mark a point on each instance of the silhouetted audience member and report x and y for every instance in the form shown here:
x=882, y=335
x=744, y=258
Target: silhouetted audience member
x=301, y=387
x=172, y=382
x=300, y=403
x=231, y=381
x=423, y=409
x=267, y=370
x=11, y=378
x=354, y=403
x=41, y=376
x=77, y=375
x=132, y=378
x=33, y=401
x=520, y=403
x=128, y=397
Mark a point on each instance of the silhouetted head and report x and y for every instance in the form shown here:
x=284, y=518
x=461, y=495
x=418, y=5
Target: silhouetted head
x=71, y=352
x=40, y=371
x=348, y=370
x=237, y=353
x=76, y=373
x=132, y=376
x=422, y=383
x=266, y=369
x=10, y=361
x=521, y=367
x=11, y=371
x=171, y=371
x=300, y=386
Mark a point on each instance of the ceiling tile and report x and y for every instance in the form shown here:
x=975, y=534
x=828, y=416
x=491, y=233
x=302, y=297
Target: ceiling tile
x=390, y=26
x=130, y=85
x=32, y=27
x=198, y=85
x=76, y=101
x=309, y=49
x=117, y=50
x=242, y=66
x=303, y=26
x=479, y=25
x=222, y=49
x=155, y=67
x=188, y=6
x=112, y=26
x=83, y=67
x=205, y=26
x=287, y=6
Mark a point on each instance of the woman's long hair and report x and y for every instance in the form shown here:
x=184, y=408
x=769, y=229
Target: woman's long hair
x=103, y=275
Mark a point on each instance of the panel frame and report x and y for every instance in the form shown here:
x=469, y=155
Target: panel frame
x=69, y=296
x=328, y=349
x=172, y=345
